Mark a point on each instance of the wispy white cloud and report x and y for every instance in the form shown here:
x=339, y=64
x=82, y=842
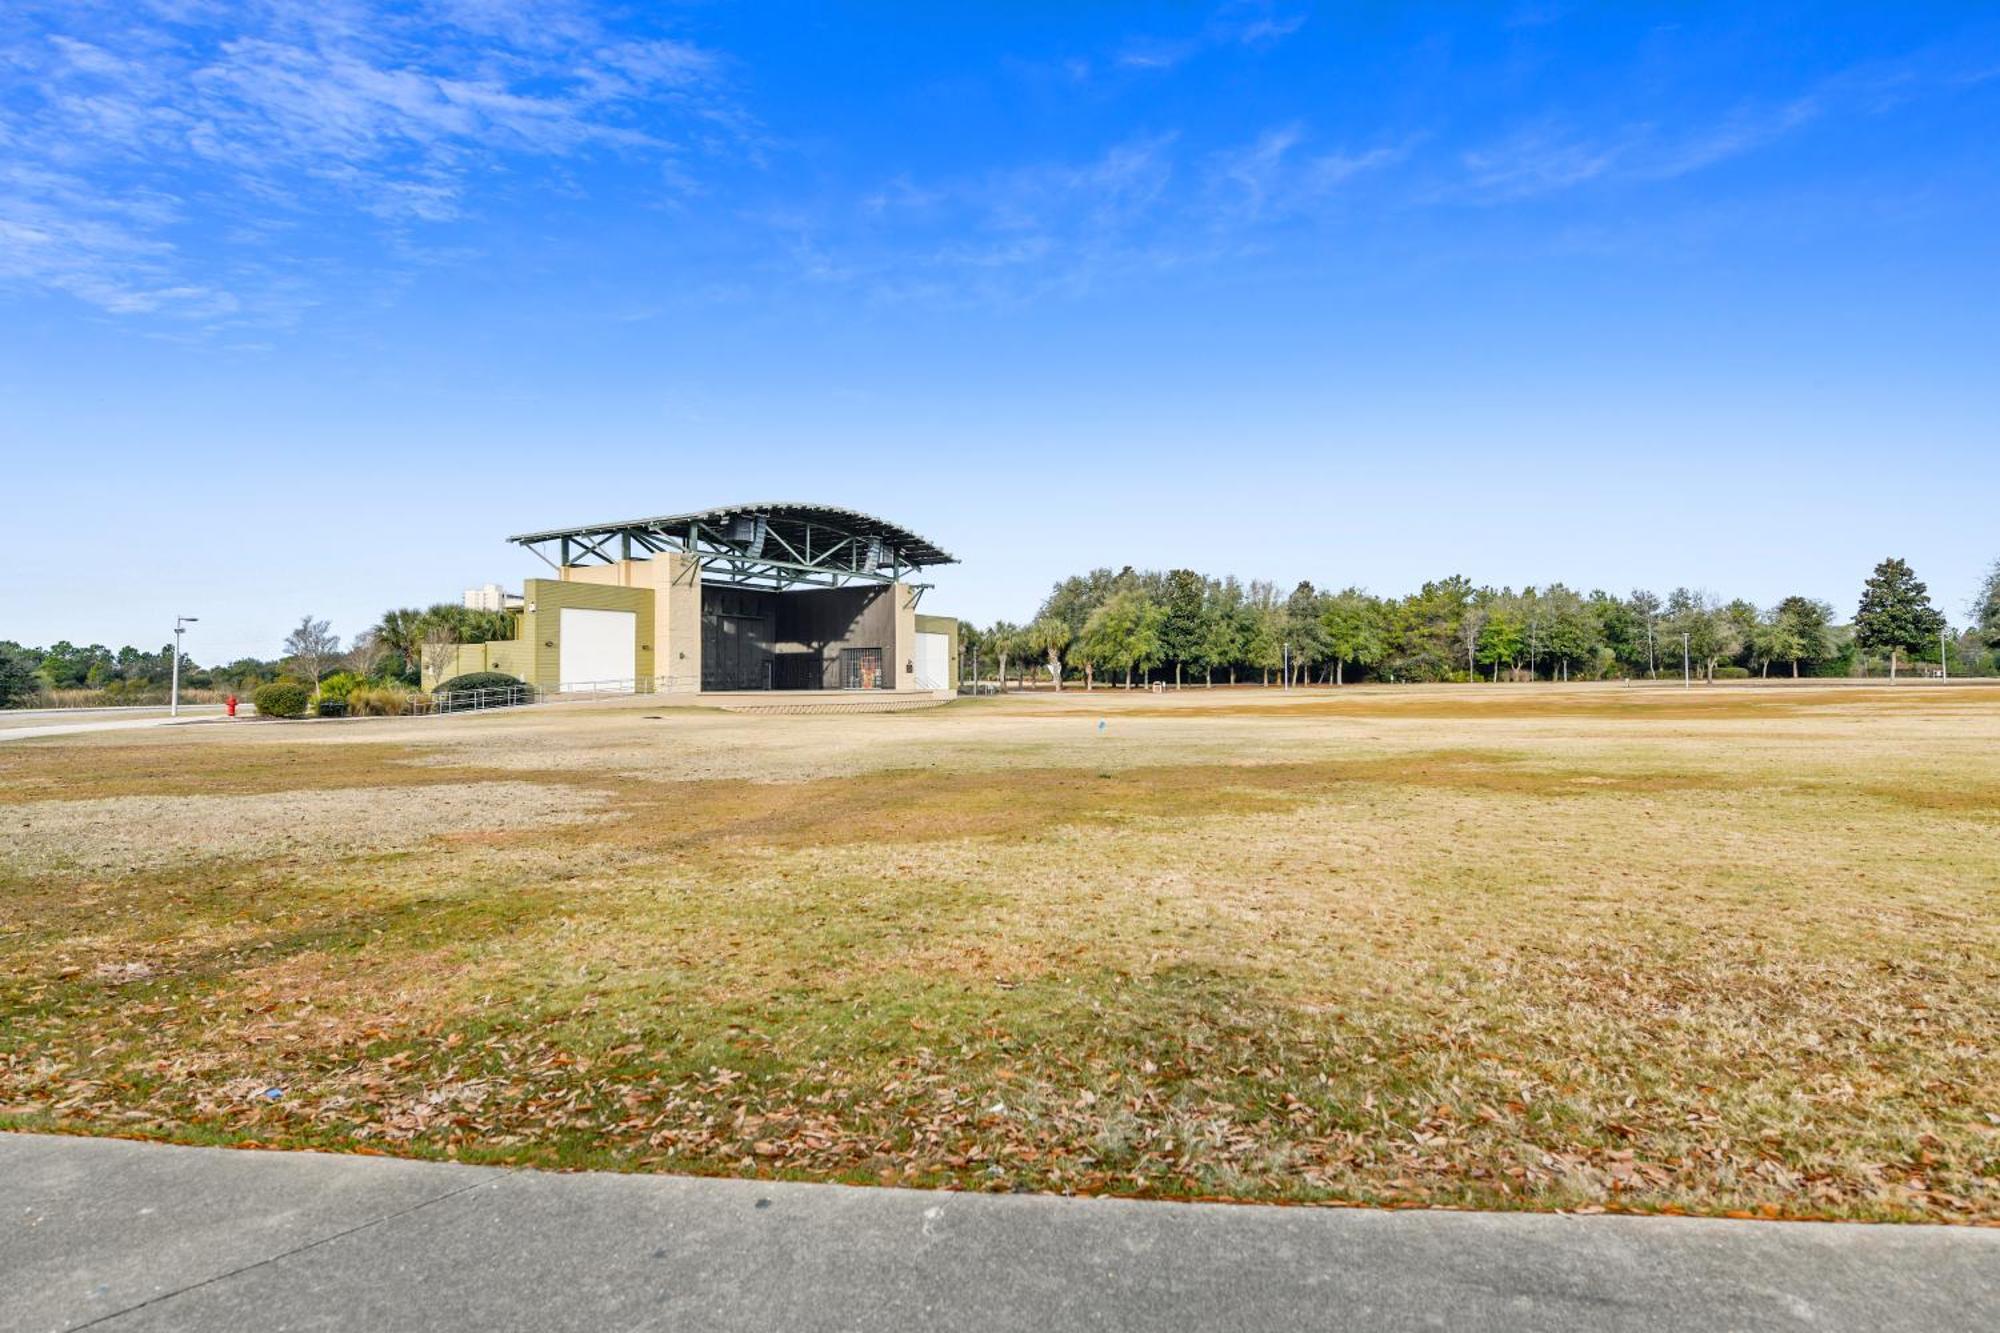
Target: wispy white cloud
x=1268, y=30
x=1147, y=204
x=1546, y=157
x=999, y=237
x=1156, y=52
x=1255, y=25
x=1552, y=154
x=58, y=231
x=375, y=109
x=1537, y=160
x=1275, y=177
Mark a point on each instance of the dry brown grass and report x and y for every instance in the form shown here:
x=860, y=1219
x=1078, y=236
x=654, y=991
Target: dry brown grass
x=1407, y=947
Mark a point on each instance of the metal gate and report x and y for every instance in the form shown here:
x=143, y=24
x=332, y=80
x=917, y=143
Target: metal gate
x=861, y=669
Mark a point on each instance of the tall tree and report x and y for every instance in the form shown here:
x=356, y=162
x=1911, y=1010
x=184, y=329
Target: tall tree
x=1502, y=636
x=1003, y=639
x=1074, y=599
x=1985, y=610
x=366, y=654
x=438, y=648
x=1705, y=633
x=1351, y=626
x=1896, y=614
x=1646, y=610
x=311, y=647
x=1470, y=626
x=1263, y=629
x=17, y=674
x=1125, y=632
x=1770, y=641
x=1423, y=634
x=1303, y=636
x=1799, y=628
x=1181, y=627
x=1745, y=628
x=1049, y=636
x=1573, y=632
x=1225, y=640
x=401, y=634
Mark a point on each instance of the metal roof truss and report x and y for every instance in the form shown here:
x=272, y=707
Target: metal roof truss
x=756, y=555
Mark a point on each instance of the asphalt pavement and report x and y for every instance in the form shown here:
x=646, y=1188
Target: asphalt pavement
x=126, y=1236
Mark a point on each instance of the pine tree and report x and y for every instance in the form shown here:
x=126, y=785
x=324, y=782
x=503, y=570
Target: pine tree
x=1896, y=614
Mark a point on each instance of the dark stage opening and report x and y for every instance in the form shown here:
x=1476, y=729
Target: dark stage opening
x=809, y=639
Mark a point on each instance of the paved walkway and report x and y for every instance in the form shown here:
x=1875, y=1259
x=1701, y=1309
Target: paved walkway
x=97, y=1232
x=28, y=731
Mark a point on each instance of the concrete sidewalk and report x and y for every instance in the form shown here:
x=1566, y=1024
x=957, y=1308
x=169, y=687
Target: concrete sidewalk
x=20, y=730
x=141, y=1236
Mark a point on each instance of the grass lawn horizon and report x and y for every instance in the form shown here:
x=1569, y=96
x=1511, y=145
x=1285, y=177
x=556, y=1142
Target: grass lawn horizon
x=1729, y=950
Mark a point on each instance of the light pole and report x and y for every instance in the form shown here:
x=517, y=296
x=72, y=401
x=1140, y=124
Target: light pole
x=1687, y=664
x=1944, y=664
x=174, y=697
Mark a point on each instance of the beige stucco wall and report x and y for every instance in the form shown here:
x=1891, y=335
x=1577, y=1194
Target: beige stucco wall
x=906, y=635
x=675, y=582
x=677, y=604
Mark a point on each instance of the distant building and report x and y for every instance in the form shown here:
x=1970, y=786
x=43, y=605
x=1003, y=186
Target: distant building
x=493, y=597
x=778, y=596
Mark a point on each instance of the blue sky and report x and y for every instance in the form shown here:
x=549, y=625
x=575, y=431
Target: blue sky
x=304, y=307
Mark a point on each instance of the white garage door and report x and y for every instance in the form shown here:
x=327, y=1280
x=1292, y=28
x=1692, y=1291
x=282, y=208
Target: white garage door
x=599, y=650
x=933, y=661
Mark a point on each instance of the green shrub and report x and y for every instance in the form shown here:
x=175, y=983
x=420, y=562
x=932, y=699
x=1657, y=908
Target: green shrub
x=1732, y=673
x=339, y=685
x=17, y=675
x=280, y=699
x=331, y=708
x=378, y=701
x=477, y=680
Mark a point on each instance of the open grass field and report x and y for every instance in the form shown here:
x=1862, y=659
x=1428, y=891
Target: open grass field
x=1734, y=950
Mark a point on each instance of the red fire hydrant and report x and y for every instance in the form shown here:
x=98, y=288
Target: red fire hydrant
x=230, y=703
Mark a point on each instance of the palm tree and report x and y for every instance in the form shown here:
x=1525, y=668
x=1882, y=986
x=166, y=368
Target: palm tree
x=1004, y=641
x=1051, y=636
x=401, y=633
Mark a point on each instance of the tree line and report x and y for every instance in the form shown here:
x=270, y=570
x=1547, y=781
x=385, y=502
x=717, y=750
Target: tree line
x=127, y=675
x=1135, y=626
x=395, y=650
x=1131, y=625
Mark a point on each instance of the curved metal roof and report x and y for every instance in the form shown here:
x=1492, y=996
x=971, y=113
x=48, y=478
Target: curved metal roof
x=790, y=519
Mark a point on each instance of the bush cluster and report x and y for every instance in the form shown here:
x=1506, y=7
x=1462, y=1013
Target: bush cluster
x=379, y=701
x=477, y=680
x=281, y=699
x=340, y=684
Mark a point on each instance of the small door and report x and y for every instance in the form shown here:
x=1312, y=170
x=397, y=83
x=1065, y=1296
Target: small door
x=933, y=660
